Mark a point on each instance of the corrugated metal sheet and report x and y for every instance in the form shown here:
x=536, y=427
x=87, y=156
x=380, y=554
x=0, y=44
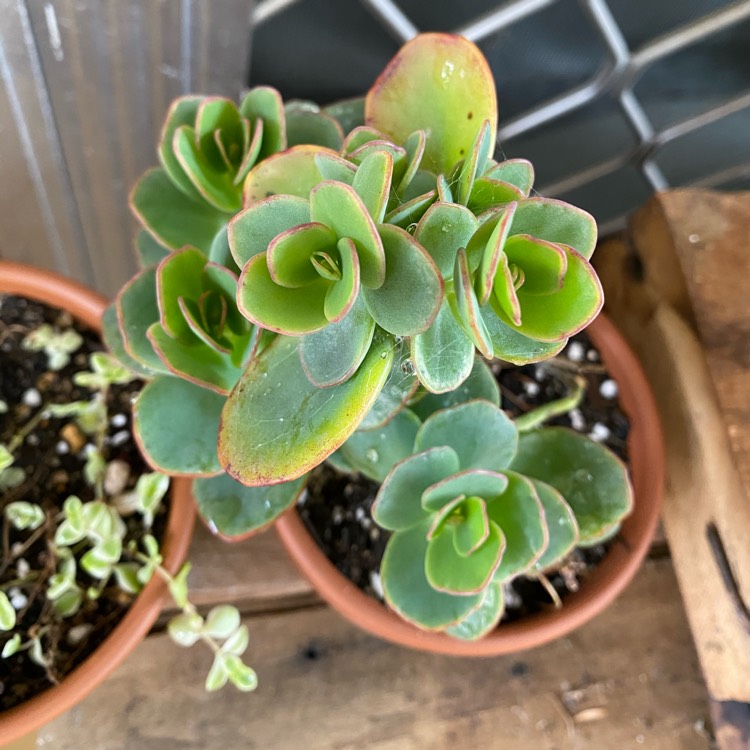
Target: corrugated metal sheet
x=84, y=86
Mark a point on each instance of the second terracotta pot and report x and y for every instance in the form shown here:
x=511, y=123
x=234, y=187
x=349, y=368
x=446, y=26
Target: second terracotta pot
x=87, y=307
x=610, y=577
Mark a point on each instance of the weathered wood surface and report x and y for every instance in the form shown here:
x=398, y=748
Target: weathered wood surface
x=629, y=679
x=656, y=268
x=84, y=87
x=256, y=575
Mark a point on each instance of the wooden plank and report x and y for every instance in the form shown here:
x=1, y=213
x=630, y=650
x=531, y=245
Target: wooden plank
x=706, y=512
x=628, y=679
x=710, y=233
x=256, y=575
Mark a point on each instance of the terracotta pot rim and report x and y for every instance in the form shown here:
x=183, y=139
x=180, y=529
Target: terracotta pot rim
x=610, y=577
x=87, y=306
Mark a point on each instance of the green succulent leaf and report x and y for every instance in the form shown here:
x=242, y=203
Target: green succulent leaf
x=518, y=172
x=561, y=526
x=453, y=572
x=7, y=613
x=512, y=346
x=397, y=390
x=407, y=589
x=183, y=111
x=276, y=425
x=481, y=384
x=306, y=126
x=482, y=620
x=398, y=503
x=472, y=482
x=148, y=249
x=375, y=452
x=405, y=214
x=350, y=113
x=337, y=206
x=252, y=230
x=443, y=229
x=194, y=361
x=222, y=621
x=265, y=103
x=332, y=355
x=443, y=355
x=292, y=311
x=556, y=221
x=593, y=481
x=292, y=172
x=372, y=183
x=554, y=316
x=465, y=306
x=519, y=513
x=333, y=167
x=178, y=275
x=475, y=162
x=480, y=433
x=215, y=187
x=493, y=253
x=233, y=510
x=487, y=194
x=170, y=406
x=474, y=528
x=113, y=340
x=409, y=299
x=439, y=83
x=174, y=219
x=342, y=294
x=138, y=309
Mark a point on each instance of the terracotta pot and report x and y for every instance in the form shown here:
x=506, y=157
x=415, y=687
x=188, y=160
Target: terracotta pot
x=87, y=307
x=608, y=579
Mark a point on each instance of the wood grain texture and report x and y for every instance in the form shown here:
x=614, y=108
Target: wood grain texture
x=659, y=300
x=256, y=575
x=629, y=679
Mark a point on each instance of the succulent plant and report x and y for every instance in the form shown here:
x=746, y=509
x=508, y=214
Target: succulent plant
x=307, y=270
x=474, y=504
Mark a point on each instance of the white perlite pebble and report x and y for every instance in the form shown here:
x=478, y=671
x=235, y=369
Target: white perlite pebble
x=577, y=422
x=18, y=600
x=32, y=397
x=592, y=355
x=599, y=432
x=359, y=514
x=22, y=567
x=376, y=583
x=575, y=351
x=78, y=632
x=120, y=437
x=119, y=420
x=62, y=448
x=608, y=389
x=531, y=388
x=116, y=477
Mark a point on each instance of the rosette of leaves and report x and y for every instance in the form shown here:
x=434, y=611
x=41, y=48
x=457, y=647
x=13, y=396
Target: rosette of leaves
x=475, y=504
x=207, y=147
x=432, y=244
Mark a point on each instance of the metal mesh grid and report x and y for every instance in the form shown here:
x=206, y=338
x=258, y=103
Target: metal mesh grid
x=642, y=161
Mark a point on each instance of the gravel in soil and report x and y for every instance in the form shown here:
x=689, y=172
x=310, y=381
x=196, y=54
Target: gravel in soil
x=52, y=456
x=336, y=507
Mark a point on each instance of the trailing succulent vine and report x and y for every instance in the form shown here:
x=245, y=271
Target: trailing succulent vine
x=310, y=277
x=88, y=546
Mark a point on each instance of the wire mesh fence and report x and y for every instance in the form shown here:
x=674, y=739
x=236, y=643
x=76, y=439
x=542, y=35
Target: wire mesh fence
x=611, y=99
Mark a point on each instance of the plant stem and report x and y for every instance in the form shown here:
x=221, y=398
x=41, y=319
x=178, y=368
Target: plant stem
x=537, y=417
x=20, y=436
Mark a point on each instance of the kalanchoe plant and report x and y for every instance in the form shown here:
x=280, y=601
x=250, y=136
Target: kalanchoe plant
x=475, y=500
x=307, y=271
